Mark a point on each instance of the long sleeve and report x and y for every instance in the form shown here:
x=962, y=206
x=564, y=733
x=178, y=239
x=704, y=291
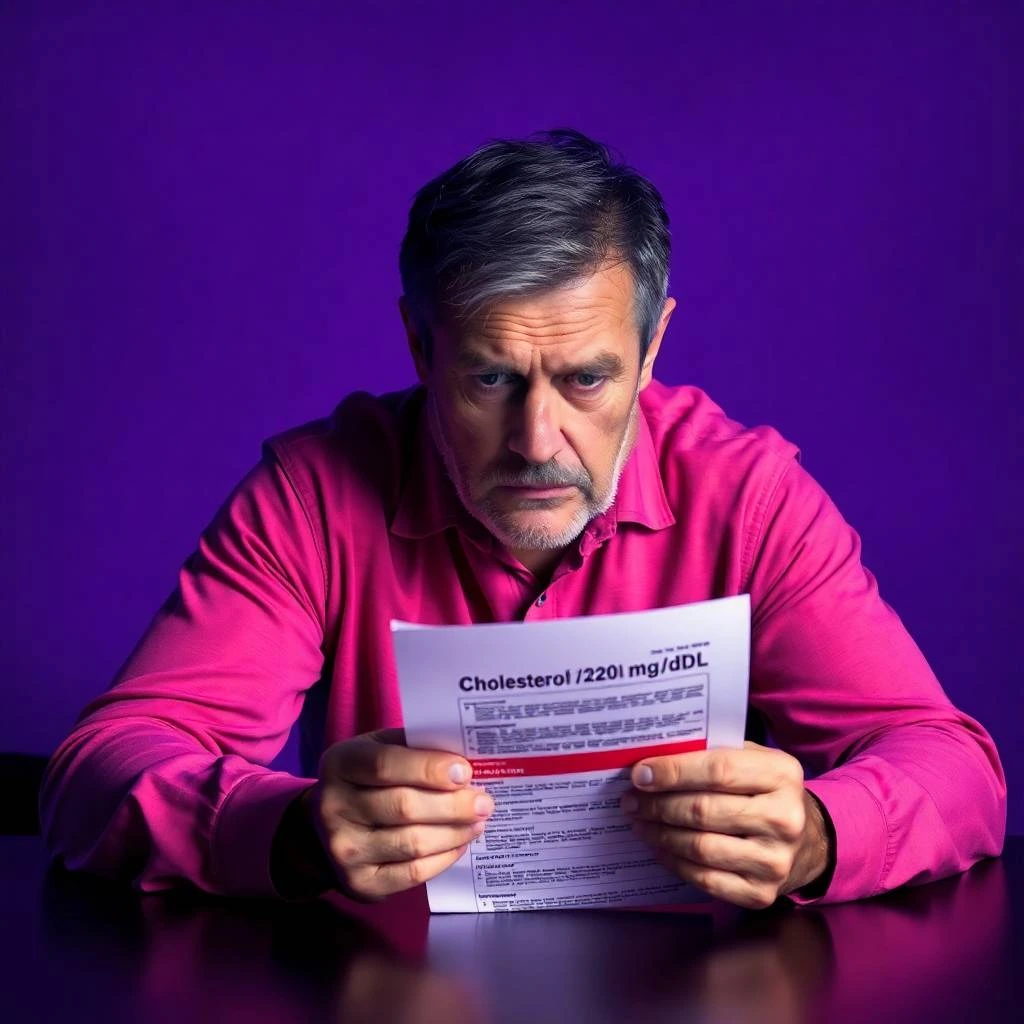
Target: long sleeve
x=913, y=786
x=162, y=781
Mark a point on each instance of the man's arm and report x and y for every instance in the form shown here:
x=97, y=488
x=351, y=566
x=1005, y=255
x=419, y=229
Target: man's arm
x=910, y=790
x=162, y=780
x=913, y=787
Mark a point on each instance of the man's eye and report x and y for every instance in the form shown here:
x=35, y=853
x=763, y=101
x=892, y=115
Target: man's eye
x=587, y=381
x=492, y=381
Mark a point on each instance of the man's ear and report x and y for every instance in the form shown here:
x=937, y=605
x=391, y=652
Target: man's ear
x=647, y=370
x=416, y=347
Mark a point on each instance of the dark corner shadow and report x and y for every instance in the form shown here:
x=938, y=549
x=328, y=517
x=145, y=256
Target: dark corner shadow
x=20, y=778
x=173, y=954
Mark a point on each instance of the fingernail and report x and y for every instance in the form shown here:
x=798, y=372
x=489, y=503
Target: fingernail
x=477, y=828
x=630, y=803
x=458, y=773
x=482, y=805
x=644, y=775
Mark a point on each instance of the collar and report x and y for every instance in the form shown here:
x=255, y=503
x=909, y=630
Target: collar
x=641, y=497
x=429, y=504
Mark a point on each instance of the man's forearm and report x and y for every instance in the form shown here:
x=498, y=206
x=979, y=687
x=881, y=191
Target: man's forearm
x=131, y=799
x=920, y=803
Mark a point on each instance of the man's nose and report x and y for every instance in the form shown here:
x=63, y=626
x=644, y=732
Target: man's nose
x=536, y=432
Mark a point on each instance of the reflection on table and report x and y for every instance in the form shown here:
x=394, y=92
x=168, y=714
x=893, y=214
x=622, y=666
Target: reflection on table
x=941, y=952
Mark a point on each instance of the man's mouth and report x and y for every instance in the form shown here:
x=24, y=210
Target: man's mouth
x=538, y=493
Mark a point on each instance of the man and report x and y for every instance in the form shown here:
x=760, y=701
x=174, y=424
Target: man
x=538, y=471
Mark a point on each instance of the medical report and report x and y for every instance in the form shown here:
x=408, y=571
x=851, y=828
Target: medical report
x=552, y=715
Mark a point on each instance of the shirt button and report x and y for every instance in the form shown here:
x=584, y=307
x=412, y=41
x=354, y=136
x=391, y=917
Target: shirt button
x=540, y=600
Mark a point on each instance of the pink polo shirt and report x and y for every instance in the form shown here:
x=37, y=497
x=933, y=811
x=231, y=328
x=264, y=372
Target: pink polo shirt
x=351, y=521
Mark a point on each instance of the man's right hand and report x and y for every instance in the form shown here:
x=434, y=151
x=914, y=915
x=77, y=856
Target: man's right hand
x=391, y=818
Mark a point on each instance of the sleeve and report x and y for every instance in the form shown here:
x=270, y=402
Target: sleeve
x=914, y=787
x=163, y=779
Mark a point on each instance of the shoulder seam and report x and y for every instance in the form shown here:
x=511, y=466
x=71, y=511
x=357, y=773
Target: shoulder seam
x=287, y=467
x=759, y=519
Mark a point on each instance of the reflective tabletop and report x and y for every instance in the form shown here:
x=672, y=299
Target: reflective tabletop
x=77, y=948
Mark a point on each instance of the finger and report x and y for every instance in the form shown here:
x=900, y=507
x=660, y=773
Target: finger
x=404, y=805
x=722, y=885
x=713, y=812
x=751, y=858
x=371, y=760
x=772, y=815
x=723, y=770
x=381, y=880
x=404, y=842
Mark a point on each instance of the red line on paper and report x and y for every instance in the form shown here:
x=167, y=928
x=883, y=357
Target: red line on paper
x=564, y=764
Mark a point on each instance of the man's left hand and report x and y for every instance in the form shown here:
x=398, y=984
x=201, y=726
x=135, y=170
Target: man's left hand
x=738, y=824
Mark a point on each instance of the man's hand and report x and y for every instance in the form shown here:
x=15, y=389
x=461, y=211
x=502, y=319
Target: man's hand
x=391, y=818
x=736, y=823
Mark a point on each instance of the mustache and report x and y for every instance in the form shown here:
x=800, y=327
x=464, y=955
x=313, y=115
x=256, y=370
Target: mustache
x=547, y=474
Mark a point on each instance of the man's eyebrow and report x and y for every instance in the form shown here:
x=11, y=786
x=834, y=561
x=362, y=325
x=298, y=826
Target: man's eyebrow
x=470, y=360
x=606, y=364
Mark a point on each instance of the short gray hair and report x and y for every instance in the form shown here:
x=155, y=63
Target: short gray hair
x=523, y=217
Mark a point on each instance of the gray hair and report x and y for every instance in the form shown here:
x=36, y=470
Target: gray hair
x=523, y=217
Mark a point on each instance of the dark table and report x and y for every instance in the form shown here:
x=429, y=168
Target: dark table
x=78, y=949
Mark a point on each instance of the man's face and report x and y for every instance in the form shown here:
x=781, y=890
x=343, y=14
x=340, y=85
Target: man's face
x=533, y=408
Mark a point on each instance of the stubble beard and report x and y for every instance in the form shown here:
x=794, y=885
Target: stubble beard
x=501, y=523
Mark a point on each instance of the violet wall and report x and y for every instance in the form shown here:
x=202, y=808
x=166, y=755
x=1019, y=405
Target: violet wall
x=200, y=211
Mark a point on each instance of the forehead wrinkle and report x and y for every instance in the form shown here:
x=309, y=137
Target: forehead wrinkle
x=514, y=327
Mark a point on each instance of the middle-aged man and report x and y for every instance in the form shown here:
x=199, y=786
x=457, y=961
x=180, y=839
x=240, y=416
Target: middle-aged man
x=537, y=471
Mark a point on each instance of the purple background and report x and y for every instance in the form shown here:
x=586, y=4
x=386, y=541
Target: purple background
x=201, y=213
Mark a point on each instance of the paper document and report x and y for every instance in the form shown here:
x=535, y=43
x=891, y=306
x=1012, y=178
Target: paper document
x=552, y=715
